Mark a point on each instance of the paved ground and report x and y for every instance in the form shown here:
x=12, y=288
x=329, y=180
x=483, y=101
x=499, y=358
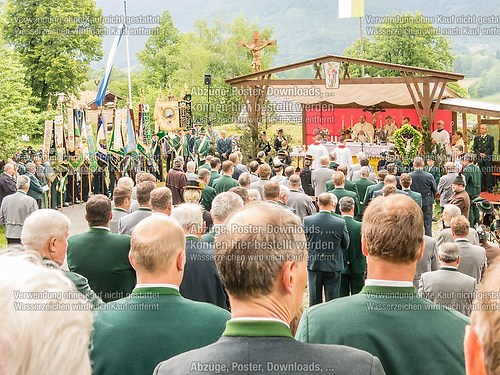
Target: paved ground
x=77, y=216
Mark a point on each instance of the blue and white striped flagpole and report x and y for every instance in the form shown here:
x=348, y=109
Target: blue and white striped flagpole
x=103, y=86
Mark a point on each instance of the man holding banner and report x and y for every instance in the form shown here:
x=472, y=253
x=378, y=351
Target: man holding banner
x=201, y=147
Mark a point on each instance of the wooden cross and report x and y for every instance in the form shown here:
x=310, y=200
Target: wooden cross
x=255, y=46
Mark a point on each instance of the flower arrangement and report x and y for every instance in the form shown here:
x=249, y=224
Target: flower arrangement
x=324, y=132
x=347, y=132
x=407, y=141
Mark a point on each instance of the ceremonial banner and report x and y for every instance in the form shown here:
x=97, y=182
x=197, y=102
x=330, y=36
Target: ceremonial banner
x=70, y=140
x=332, y=80
x=131, y=145
x=351, y=8
x=167, y=116
x=59, y=137
x=103, y=86
x=102, y=140
x=117, y=141
x=90, y=141
x=47, y=137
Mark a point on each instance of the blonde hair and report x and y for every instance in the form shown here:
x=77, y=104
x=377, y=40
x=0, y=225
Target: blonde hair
x=43, y=333
x=155, y=242
x=192, y=195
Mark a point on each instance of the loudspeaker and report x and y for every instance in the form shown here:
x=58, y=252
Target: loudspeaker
x=208, y=79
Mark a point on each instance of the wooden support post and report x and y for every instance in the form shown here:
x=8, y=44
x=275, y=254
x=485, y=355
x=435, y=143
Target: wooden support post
x=464, y=130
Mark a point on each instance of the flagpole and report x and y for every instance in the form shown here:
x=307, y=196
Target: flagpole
x=362, y=47
x=128, y=56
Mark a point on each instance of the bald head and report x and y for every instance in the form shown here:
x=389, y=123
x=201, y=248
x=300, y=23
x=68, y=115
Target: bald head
x=156, y=246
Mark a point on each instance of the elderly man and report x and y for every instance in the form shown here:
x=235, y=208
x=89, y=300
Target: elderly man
x=46, y=232
x=440, y=136
x=225, y=182
x=363, y=131
x=451, y=211
x=320, y=176
x=161, y=201
x=473, y=258
x=42, y=313
x=127, y=223
x=266, y=292
x=460, y=198
x=122, y=197
x=132, y=335
x=223, y=206
x=389, y=180
x=387, y=318
x=424, y=183
x=102, y=256
x=7, y=182
x=190, y=171
x=36, y=189
x=447, y=286
x=176, y=180
x=327, y=239
x=299, y=201
x=354, y=272
x=444, y=187
x=15, y=209
x=482, y=336
x=201, y=282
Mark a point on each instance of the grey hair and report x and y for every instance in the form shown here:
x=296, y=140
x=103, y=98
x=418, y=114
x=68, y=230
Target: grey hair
x=189, y=216
x=224, y=205
x=452, y=210
x=31, y=167
x=244, y=179
x=448, y=252
x=23, y=182
x=364, y=171
x=203, y=173
x=29, y=338
x=284, y=191
x=190, y=165
x=41, y=226
x=335, y=200
x=324, y=160
x=346, y=204
x=126, y=182
x=253, y=195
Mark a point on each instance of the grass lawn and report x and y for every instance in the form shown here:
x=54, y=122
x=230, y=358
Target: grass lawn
x=293, y=132
x=3, y=240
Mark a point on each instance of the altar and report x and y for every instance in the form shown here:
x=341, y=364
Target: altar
x=372, y=151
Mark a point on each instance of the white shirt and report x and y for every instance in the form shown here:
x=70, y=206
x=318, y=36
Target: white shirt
x=172, y=286
x=344, y=156
x=442, y=137
x=256, y=319
x=393, y=283
x=317, y=150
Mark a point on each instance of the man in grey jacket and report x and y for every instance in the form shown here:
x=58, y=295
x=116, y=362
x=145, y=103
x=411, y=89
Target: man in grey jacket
x=447, y=286
x=15, y=209
x=258, y=338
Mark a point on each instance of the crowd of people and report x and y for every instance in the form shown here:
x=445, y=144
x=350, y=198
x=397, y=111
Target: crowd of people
x=207, y=273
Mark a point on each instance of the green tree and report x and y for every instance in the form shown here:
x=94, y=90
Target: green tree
x=404, y=39
x=487, y=84
x=16, y=114
x=158, y=56
x=57, y=40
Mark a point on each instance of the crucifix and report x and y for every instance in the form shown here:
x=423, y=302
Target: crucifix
x=255, y=46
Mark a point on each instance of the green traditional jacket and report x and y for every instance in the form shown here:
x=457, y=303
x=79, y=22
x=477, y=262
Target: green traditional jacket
x=349, y=185
x=354, y=260
x=201, y=149
x=261, y=328
x=132, y=335
x=390, y=322
x=341, y=193
x=472, y=175
x=434, y=171
x=224, y=183
x=207, y=196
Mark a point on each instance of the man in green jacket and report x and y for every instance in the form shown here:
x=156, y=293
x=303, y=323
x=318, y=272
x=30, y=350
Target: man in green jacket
x=354, y=272
x=387, y=318
x=225, y=182
x=338, y=179
x=472, y=176
x=362, y=185
x=132, y=335
x=102, y=256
